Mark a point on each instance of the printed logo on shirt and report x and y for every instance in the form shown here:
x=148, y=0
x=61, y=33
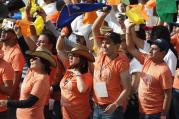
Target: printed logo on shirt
x=147, y=79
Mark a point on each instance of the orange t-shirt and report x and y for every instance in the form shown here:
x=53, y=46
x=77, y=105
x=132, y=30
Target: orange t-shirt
x=175, y=41
x=75, y=105
x=38, y=85
x=108, y=71
x=176, y=79
x=15, y=57
x=153, y=81
x=6, y=73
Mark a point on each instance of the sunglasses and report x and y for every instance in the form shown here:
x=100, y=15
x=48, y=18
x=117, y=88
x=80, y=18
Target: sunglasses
x=72, y=55
x=35, y=58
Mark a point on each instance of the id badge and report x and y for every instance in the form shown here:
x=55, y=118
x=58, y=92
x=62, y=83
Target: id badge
x=101, y=89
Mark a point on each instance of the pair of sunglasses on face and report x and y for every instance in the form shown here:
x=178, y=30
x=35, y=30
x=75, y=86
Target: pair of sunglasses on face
x=72, y=55
x=35, y=58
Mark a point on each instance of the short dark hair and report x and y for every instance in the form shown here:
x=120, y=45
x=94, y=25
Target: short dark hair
x=160, y=32
x=114, y=37
x=83, y=65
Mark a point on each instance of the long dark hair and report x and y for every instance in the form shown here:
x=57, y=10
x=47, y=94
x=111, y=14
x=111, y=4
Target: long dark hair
x=46, y=65
x=82, y=65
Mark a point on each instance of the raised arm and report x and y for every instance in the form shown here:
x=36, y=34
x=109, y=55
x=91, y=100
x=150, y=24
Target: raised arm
x=129, y=42
x=31, y=40
x=96, y=27
x=137, y=41
x=60, y=49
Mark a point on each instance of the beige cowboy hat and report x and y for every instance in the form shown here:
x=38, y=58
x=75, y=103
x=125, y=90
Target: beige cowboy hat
x=105, y=29
x=43, y=53
x=82, y=51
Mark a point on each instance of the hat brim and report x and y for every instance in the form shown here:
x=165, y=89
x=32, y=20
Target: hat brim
x=43, y=55
x=85, y=54
x=101, y=37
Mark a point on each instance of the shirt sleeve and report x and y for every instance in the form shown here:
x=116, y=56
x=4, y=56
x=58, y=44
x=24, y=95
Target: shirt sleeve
x=123, y=64
x=142, y=57
x=8, y=73
x=166, y=78
x=18, y=62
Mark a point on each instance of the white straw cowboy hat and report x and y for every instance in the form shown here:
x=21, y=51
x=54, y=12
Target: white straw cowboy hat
x=82, y=51
x=43, y=53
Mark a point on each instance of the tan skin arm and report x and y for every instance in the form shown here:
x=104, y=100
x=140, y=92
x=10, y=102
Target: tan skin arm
x=31, y=40
x=129, y=42
x=167, y=101
x=96, y=26
x=135, y=82
x=81, y=86
x=137, y=41
x=126, y=83
x=60, y=49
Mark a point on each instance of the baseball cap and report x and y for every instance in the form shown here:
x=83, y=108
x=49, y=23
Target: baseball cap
x=161, y=43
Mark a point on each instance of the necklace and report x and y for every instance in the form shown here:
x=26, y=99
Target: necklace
x=104, y=66
x=68, y=79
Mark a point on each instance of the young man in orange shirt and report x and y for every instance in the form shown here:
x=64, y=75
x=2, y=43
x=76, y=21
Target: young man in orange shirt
x=14, y=56
x=6, y=81
x=155, y=86
x=111, y=81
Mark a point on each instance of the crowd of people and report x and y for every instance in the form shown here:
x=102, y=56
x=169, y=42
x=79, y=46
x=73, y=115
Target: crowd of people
x=101, y=65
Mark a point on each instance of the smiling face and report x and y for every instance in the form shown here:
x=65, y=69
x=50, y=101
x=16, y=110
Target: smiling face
x=155, y=53
x=8, y=36
x=108, y=47
x=74, y=59
x=81, y=40
x=36, y=64
x=44, y=41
